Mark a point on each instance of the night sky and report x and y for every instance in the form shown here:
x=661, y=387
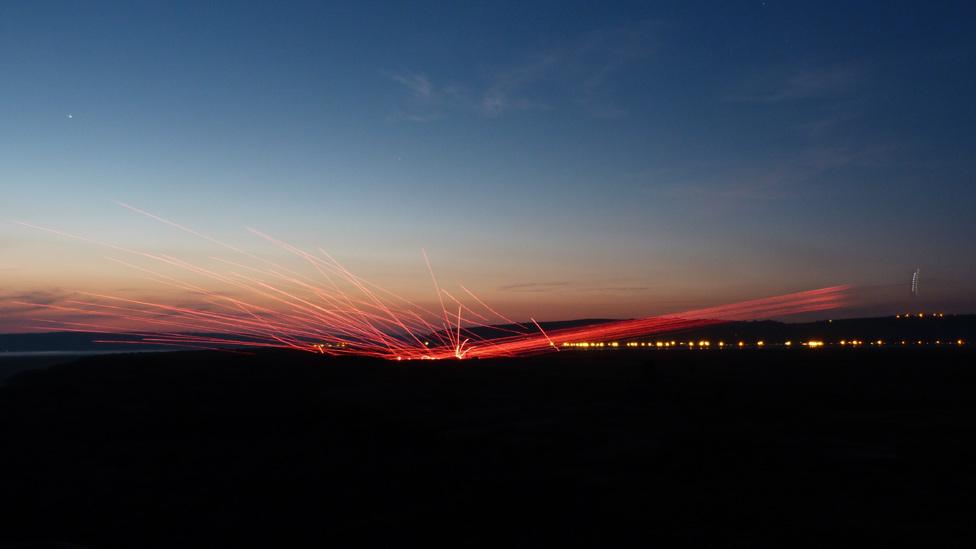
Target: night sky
x=563, y=159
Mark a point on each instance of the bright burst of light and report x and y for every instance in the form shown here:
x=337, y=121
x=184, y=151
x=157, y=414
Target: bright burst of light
x=254, y=302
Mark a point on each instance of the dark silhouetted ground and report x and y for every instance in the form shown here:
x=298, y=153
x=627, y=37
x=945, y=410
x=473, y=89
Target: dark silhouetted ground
x=766, y=448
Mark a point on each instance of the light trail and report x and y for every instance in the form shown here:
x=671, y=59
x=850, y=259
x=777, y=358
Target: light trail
x=252, y=302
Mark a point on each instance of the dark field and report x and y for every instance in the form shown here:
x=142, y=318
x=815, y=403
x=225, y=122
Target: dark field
x=770, y=448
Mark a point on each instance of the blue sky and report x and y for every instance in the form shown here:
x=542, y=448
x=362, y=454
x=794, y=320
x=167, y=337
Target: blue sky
x=569, y=159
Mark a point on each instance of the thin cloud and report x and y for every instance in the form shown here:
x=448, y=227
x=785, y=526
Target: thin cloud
x=418, y=84
x=803, y=84
x=625, y=289
x=534, y=286
x=580, y=74
x=427, y=100
x=39, y=297
x=416, y=117
x=776, y=181
x=507, y=90
x=827, y=125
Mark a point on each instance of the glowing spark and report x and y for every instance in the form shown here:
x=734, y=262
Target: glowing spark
x=257, y=303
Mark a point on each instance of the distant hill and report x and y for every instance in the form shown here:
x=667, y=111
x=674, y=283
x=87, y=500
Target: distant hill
x=928, y=328
x=67, y=341
x=889, y=328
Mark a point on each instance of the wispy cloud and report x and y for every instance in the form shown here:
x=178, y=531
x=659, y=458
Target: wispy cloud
x=827, y=124
x=427, y=101
x=579, y=287
x=15, y=306
x=416, y=83
x=56, y=308
x=507, y=89
x=794, y=85
x=40, y=297
x=770, y=182
x=622, y=289
x=534, y=286
x=578, y=74
x=824, y=146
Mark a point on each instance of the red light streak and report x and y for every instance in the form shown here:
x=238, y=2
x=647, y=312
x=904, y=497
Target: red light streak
x=268, y=305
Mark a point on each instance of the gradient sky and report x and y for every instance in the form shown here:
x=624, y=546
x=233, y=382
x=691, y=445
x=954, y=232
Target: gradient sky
x=564, y=159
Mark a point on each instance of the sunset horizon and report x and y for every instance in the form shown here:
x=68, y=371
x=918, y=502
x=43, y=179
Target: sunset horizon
x=538, y=273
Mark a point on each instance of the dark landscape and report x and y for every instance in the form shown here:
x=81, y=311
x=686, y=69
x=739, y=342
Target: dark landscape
x=492, y=275
x=917, y=328
x=754, y=448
